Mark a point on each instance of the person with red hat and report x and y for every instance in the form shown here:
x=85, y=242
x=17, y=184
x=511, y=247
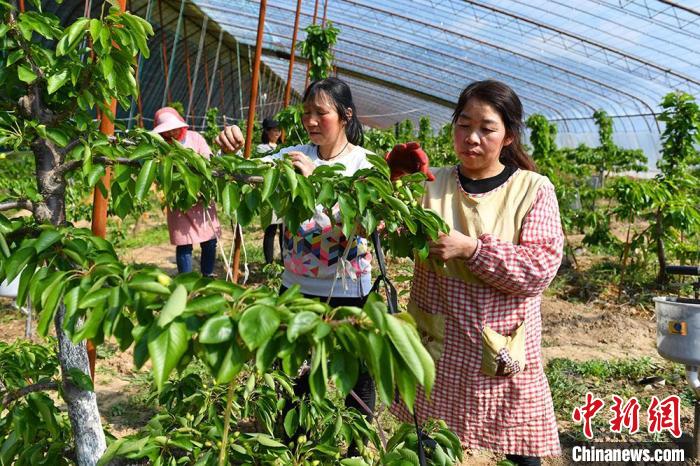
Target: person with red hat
x=197, y=225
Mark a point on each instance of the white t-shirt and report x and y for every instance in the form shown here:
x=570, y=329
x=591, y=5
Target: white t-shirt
x=265, y=148
x=311, y=255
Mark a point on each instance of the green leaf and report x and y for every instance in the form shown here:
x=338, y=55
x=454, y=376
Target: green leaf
x=58, y=136
x=94, y=298
x=25, y=74
x=150, y=286
x=407, y=385
x=302, y=323
x=95, y=29
x=174, y=307
x=398, y=336
x=91, y=326
x=291, y=177
x=18, y=260
x=376, y=310
x=257, y=325
x=46, y=239
x=353, y=462
x=96, y=173
x=14, y=56
x=267, y=353
x=425, y=359
x=166, y=346
x=380, y=357
x=344, y=370
x=232, y=364
x=206, y=304
x=53, y=295
x=291, y=422
x=56, y=81
x=80, y=379
x=145, y=179
x=216, y=330
x=271, y=179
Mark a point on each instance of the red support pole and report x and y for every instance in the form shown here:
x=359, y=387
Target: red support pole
x=164, y=49
x=251, y=120
x=292, y=55
x=21, y=6
x=206, y=73
x=139, y=104
x=221, y=90
x=100, y=204
x=325, y=8
x=187, y=67
x=308, y=64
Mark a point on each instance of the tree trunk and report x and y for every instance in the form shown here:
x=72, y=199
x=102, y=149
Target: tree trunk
x=84, y=416
x=52, y=208
x=82, y=405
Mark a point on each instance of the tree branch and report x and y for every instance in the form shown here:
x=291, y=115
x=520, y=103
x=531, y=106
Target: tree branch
x=17, y=204
x=66, y=167
x=37, y=387
x=69, y=147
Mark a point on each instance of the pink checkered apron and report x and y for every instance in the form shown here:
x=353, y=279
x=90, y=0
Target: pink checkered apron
x=503, y=414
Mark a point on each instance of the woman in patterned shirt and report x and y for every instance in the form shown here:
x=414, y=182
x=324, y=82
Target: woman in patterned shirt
x=477, y=297
x=313, y=254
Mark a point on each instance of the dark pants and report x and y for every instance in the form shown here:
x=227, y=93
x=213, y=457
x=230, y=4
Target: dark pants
x=364, y=387
x=183, y=258
x=269, y=242
x=524, y=460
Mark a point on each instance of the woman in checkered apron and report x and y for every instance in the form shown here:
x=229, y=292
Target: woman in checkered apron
x=482, y=284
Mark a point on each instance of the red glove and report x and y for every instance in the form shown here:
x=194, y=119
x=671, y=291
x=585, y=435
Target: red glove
x=408, y=158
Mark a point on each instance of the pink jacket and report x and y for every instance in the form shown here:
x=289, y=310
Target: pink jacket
x=194, y=226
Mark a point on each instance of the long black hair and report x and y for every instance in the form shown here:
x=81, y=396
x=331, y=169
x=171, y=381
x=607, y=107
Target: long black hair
x=341, y=97
x=506, y=102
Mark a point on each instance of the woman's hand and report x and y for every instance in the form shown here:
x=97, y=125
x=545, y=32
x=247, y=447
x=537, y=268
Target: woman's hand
x=454, y=245
x=230, y=139
x=300, y=161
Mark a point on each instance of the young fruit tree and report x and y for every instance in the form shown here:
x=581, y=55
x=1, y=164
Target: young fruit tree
x=80, y=288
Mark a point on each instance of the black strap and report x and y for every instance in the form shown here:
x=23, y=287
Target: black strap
x=393, y=305
x=392, y=298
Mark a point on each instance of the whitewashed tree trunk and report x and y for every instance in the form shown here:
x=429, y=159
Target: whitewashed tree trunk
x=82, y=405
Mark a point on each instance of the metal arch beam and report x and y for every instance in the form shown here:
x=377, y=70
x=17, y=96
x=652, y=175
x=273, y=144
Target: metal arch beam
x=442, y=81
x=513, y=52
x=584, y=39
x=366, y=46
x=568, y=73
x=558, y=102
x=210, y=34
x=617, y=23
x=383, y=82
x=649, y=17
x=681, y=7
x=445, y=54
x=393, y=84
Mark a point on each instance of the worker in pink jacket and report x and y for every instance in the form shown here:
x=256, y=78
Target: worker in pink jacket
x=197, y=225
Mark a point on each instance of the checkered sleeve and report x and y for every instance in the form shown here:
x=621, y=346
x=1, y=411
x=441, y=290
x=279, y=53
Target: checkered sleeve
x=524, y=269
